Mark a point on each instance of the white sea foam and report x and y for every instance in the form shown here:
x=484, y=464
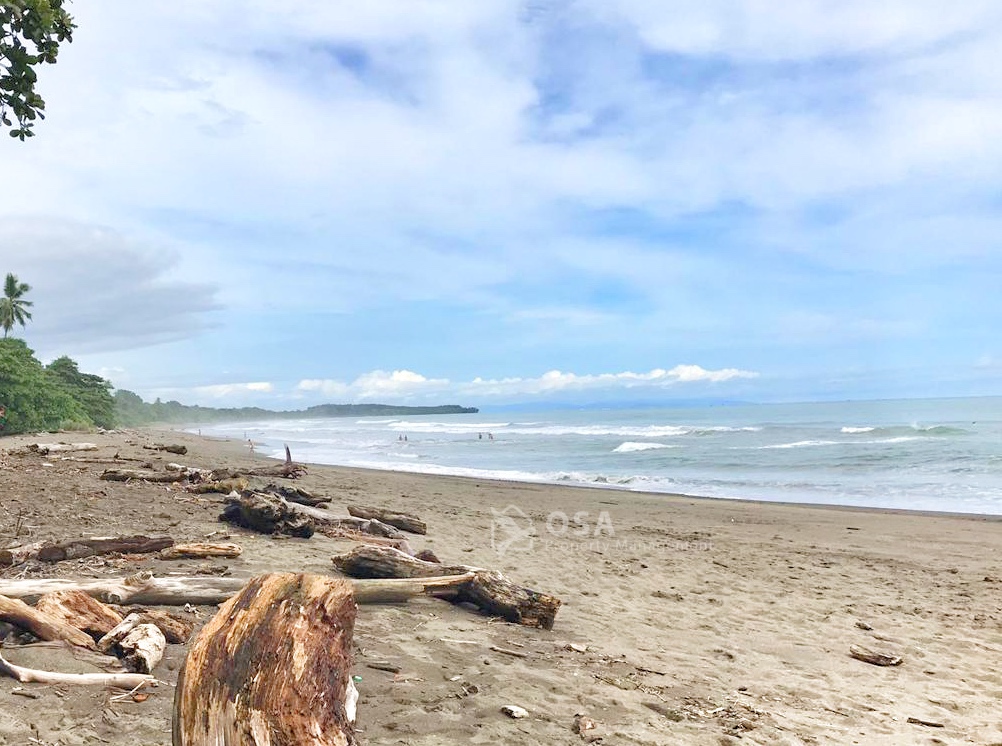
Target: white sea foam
x=447, y=427
x=854, y=430
x=799, y=444
x=631, y=447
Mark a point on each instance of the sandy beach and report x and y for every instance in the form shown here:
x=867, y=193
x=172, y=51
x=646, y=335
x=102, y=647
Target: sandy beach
x=684, y=620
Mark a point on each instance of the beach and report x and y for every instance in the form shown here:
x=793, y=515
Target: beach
x=684, y=620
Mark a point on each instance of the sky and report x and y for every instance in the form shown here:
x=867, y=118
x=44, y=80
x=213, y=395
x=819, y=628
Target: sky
x=483, y=203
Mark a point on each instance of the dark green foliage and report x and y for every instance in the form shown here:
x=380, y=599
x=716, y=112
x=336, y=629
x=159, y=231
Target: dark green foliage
x=13, y=306
x=30, y=34
x=91, y=392
x=34, y=397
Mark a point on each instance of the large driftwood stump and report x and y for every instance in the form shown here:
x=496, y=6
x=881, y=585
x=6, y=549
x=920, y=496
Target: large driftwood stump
x=267, y=514
x=272, y=667
x=489, y=591
x=403, y=521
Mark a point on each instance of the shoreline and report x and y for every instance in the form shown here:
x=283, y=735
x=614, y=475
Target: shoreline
x=988, y=517
x=694, y=620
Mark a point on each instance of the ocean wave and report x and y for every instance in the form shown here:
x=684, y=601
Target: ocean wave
x=925, y=430
x=798, y=444
x=455, y=428
x=376, y=422
x=632, y=447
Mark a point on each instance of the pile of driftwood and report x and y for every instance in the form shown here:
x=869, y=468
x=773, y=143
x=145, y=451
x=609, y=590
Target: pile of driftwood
x=298, y=624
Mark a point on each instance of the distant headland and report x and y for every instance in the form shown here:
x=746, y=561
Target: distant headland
x=131, y=410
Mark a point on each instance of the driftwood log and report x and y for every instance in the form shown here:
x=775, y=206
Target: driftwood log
x=31, y=675
x=227, y=690
x=201, y=550
x=42, y=626
x=144, y=589
x=76, y=548
x=21, y=554
x=488, y=590
x=872, y=657
x=403, y=521
x=295, y=494
x=176, y=628
x=140, y=645
x=79, y=610
x=323, y=517
x=129, y=475
x=223, y=486
x=267, y=514
x=170, y=448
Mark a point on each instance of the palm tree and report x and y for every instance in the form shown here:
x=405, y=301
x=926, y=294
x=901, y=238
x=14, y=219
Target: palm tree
x=13, y=307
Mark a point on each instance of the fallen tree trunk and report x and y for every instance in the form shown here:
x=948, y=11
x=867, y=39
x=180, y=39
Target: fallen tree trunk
x=201, y=550
x=39, y=624
x=227, y=690
x=144, y=589
x=79, y=610
x=403, y=521
x=489, y=591
x=77, y=548
x=32, y=675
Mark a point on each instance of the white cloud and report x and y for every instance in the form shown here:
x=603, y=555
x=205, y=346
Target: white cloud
x=95, y=289
x=228, y=390
x=405, y=385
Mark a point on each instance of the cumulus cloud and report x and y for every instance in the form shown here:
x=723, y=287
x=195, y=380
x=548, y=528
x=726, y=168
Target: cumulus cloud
x=405, y=385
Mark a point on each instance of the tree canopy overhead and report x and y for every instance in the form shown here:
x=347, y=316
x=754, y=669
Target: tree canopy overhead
x=30, y=34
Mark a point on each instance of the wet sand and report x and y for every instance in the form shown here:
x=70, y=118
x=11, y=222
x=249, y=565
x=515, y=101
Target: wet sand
x=693, y=621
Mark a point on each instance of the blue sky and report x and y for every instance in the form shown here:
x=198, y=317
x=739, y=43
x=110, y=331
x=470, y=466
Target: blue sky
x=421, y=201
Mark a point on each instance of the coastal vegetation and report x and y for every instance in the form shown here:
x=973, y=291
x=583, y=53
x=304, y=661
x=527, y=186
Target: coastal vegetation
x=58, y=396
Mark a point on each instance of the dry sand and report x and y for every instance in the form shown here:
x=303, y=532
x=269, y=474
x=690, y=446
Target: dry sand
x=701, y=621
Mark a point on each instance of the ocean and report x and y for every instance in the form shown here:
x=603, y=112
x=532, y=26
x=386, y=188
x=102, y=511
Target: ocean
x=923, y=454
